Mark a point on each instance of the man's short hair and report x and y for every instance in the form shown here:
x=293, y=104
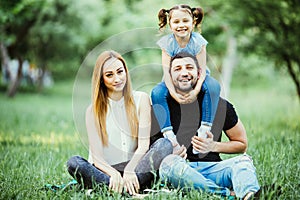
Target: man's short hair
x=184, y=55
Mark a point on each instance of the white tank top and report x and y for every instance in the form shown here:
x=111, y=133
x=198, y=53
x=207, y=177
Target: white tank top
x=121, y=146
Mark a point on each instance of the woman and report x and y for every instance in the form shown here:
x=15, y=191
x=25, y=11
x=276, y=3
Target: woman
x=118, y=125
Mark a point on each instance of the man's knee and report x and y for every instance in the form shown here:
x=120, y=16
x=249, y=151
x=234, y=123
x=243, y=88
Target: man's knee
x=169, y=163
x=171, y=160
x=244, y=162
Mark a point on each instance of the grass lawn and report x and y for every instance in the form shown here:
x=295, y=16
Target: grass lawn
x=38, y=135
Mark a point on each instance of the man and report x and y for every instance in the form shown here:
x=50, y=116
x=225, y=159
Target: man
x=206, y=171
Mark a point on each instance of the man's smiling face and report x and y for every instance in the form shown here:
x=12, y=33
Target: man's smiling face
x=184, y=73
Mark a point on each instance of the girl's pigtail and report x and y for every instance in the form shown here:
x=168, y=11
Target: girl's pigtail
x=198, y=14
x=163, y=18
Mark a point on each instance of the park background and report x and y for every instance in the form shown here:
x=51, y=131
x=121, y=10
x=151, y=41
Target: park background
x=253, y=51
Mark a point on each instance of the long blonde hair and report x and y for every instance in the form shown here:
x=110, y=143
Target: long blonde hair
x=100, y=97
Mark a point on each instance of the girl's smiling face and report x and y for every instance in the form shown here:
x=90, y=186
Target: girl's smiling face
x=181, y=23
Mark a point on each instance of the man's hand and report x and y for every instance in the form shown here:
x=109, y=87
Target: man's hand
x=131, y=182
x=181, y=152
x=116, y=182
x=204, y=145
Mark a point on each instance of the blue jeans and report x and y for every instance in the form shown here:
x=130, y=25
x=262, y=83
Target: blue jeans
x=88, y=175
x=160, y=93
x=237, y=174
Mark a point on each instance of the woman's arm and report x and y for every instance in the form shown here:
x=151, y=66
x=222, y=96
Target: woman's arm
x=167, y=78
x=130, y=179
x=96, y=147
x=144, y=132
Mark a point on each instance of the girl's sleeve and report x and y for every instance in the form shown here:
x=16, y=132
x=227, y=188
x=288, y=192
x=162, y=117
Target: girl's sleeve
x=198, y=41
x=165, y=44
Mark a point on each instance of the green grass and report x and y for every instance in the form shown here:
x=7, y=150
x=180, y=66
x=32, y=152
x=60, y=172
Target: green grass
x=38, y=136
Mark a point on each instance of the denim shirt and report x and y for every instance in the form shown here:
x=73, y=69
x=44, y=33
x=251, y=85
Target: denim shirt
x=171, y=46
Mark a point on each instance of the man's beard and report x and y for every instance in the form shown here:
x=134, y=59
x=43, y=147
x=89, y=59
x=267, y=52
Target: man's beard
x=185, y=89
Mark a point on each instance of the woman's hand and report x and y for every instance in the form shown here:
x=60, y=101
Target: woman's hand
x=181, y=151
x=116, y=182
x=131, y=182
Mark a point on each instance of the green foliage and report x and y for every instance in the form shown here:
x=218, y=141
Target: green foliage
x=273, y=25
x=271, y=29
x=16, y=20
x=60, y=34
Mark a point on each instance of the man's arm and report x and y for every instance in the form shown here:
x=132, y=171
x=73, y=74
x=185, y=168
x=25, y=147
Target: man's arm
x=237, y=141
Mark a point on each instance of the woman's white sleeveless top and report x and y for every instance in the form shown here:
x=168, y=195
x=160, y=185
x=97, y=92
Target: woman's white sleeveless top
x=121, y=146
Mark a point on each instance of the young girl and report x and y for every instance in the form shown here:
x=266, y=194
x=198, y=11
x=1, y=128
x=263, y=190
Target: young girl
x=118, y=124
x=182, y=19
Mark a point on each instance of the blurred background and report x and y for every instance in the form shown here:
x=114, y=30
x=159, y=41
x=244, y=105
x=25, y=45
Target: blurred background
x=43, y=42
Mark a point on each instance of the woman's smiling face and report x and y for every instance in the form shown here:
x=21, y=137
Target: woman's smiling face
x=114, y=76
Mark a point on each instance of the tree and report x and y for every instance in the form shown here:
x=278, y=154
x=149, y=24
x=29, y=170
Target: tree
x=272, y=29
x=17, y=18
x=50, y=33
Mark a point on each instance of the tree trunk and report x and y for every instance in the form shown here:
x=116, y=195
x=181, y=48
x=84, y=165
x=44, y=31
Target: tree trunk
x=293, y=74
x=15, y=82
x=229, y=62
x=41, y=78
x=5, y=60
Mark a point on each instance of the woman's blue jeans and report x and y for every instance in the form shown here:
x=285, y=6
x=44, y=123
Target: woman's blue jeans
x=160, y=94
x=88, y=175
x=237, y=174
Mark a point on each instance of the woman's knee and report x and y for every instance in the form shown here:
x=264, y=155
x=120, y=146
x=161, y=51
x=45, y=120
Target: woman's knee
x=164, y=146
x=73, y=163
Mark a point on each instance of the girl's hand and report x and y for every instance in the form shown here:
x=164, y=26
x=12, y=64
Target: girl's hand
x=116, y=182
x=191, y=96
x=179, y=98
x=131, y=182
